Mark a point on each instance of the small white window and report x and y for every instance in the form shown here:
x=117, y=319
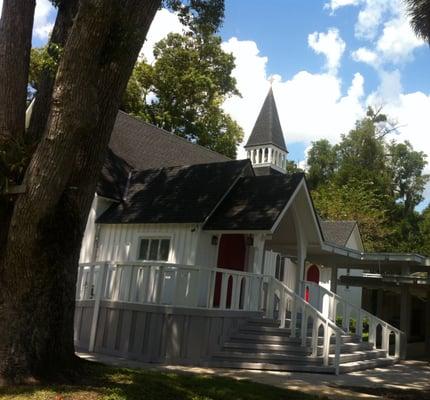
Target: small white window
x=154, y=249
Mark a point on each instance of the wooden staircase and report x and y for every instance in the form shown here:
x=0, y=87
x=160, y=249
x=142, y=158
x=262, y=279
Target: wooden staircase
x=260, y=344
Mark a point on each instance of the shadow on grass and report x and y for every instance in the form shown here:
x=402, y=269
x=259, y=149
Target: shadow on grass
x=392, y=394
x=98, y=381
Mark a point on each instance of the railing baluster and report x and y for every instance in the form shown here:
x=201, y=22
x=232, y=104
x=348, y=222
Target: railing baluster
x=224, y=289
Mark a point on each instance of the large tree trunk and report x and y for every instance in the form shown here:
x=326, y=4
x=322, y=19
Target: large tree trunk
x=16, y=25
x=63, y=24
x=36, y=333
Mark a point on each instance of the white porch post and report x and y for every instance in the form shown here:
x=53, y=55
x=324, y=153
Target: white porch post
x=100, y=288
x=405, y=311
x=427, y=322
x=301, y=250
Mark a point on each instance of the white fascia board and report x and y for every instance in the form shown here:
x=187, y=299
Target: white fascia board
x=287, y=206
x=314, y=217
x=356, y=255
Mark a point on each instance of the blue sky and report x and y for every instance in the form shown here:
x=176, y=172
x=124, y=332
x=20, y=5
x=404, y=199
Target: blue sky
x=330, y=59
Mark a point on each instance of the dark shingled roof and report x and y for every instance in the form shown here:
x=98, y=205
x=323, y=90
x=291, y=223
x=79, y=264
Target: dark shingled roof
x=113, y=178
x=255, y=203
x=185, y=194
x=337, y=232
x=267, y=128
x=145, y=146
x=135, y=144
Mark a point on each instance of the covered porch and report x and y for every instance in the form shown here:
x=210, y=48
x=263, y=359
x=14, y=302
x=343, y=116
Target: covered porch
x=396, y=288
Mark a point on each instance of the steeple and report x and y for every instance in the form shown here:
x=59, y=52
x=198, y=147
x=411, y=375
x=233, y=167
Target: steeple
x=266, y=145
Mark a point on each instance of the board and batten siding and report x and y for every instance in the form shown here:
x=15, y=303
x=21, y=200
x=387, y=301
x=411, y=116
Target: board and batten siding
x=98, y=206
x=120, y=242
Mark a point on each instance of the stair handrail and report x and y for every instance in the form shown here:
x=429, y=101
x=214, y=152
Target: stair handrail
x=373, y=320
x=299, y=304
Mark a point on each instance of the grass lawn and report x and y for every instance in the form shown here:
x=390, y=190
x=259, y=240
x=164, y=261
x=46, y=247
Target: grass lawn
x=99, y=381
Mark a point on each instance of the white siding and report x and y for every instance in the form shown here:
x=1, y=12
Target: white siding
x=98, y=206
x=207, y=253
x=120, y=242
x=352, y=294
x=290, y=274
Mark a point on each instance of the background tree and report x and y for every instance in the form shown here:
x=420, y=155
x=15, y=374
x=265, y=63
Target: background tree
x=419, y=10
x=322, y=162
x=424, y=229
x=358, y=201
x=184, y=89
x=385, y=174
x=43, y=222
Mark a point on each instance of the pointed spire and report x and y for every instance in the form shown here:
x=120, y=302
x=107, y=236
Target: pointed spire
x=267, y=128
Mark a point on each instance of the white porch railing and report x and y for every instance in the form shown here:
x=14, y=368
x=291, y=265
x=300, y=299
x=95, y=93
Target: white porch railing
x=212, y=288
x=172, y=284
x=309, y=322
x=333, y=306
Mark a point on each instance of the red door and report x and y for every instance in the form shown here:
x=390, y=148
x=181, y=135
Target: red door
x=231, y=255
x=313, y=275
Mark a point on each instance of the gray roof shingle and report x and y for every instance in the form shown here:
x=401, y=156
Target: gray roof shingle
x=145, y=146
x=267, y=128
x=254, y=203
x=135, y=144
x=337, y=232
x=186, y=194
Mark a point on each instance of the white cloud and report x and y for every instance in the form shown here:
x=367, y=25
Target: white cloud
x=43, y=19
x=365, y=55
x=411, y=111
x=165, y=22
x=371, y=16
x=311, y=106
x=331, y=45
x=335, y=4
x=398, y=40
x=385, y=25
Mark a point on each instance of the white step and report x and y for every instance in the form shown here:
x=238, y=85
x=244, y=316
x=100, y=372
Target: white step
x=292, y=367
x=267, y=347
x=367, y=364
x=265, y=330
x=272, y=358
x=262, y=338
x=359, y=356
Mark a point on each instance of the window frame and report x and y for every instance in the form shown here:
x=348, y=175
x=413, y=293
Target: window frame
x=148, y=250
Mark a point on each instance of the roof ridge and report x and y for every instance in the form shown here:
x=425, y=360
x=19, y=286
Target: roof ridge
x=170, y=167
x=171, y=134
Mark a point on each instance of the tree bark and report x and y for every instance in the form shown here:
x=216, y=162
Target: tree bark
x=66, y=13
x=16, y=25
x=36, y=334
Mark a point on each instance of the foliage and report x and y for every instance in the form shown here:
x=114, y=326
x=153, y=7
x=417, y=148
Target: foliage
x=372, y=180
x=103, y=382
x=201, y=16
x=42, y=60
x=419, y=10
x=406, y=166
x=184, y=89
x=358, y=201
x=424, y=228
x=322, y=162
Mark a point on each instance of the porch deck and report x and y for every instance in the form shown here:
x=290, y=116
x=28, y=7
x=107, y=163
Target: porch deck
x=169, y=313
